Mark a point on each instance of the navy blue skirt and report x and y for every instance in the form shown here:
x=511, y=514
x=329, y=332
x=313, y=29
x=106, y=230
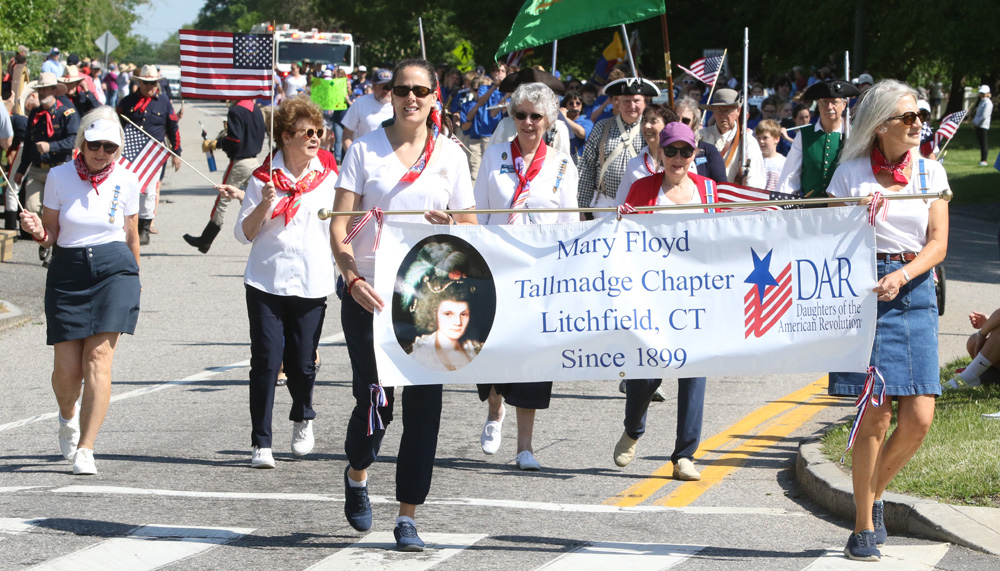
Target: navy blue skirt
x=91, y=290
x=906, y=342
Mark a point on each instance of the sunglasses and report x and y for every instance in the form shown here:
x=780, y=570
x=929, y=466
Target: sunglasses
x=309, y=133
x=907, y=118
x=686, y=120
x=671, y=151
x=924, y=115
x=404, y=90
x=109, y=148
x=521, y=116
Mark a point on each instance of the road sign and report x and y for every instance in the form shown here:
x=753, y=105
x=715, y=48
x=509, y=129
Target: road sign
x=464, y=54
x=107, y=42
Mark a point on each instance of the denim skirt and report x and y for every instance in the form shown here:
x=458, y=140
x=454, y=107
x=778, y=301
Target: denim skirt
x=906, y=342
x=91, y=290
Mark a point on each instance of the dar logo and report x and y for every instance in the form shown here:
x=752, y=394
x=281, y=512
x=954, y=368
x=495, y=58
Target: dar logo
x=768, y=298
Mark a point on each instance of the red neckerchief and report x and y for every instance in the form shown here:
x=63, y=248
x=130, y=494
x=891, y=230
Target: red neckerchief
x=94, y=178
x=263, y=172
x=524, y=175
x=418, y=167
x=48, y=119
x=880, y=163
x=289, y=204
x=142, y=104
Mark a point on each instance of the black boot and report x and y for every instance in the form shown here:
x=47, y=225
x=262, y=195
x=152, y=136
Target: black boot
x=144, y=230
x=204, y=242
x=11, y=220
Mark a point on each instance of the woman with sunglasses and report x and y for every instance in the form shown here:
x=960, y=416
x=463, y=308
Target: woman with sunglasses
x=675, y=184
x=524, y=174
x=404, y=166
x=92, y=287
x=289, y=272
x=881, y=157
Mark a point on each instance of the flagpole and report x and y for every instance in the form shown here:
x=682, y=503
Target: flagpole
x=745, y=113
x=12, y=189
x=628, y=48
x=274, y=64
x=666, y=60
x=141, y=130
x=847, y=110
x=711, y=88
x=423, y=47
x=555, y=47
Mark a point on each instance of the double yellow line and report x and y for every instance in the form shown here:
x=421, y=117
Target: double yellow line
x=765, y=426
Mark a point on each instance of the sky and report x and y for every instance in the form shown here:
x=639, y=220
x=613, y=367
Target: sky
x=161, y=18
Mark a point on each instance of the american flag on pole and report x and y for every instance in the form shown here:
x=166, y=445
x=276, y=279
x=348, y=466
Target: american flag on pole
x=949, y=125
x=705, y=70
x=514, y=58
x=142, y=155
x=768, y=298
x=223, y=65
x=729, y=192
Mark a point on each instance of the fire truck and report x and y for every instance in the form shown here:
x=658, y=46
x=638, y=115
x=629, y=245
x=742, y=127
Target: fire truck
x=310, y=46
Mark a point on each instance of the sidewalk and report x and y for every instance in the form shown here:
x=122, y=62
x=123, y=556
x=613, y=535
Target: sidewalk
x=827, y=484
x=11, y=316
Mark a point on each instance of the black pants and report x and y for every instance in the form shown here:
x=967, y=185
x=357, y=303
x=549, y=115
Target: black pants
x=282, y=328
x=421, y=413
x=983, y=136
x=690, y=409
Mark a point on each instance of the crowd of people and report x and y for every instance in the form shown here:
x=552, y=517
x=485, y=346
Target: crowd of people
x=420, y=137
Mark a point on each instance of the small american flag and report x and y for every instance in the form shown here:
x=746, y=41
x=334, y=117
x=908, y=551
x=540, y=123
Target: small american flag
x=514, y=58
x=949, y=125
x=223, y=65
x=705, y=70
x=729, y=192
x=768, y=298
x=142, y=155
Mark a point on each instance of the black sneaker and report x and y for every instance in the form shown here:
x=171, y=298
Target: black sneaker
x=357, y=508
x=407, y=538
x=861, y=547
x=878, y=517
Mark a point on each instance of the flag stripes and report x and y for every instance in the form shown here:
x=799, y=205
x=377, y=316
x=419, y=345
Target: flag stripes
x=222, y=65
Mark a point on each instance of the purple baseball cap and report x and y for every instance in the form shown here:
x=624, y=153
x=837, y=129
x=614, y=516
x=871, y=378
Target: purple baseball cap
x=677, y=131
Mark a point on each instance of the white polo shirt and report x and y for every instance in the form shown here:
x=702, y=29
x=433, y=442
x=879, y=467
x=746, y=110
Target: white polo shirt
x=497, y=182
x=88, y=217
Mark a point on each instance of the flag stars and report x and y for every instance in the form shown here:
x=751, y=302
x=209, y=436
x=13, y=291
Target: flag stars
x=761, y=274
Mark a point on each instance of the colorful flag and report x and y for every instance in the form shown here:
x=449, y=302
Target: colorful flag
x=542, y=21
x=223, y=65
x=949, y=125
x=705, y=70
x=611, y=56
x=514, y=58
x=768, y=298
x=729, y=192
x=142, y=155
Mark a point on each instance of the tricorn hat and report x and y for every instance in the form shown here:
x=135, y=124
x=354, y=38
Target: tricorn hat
x=530, y=75
x=833, y=89
x=631, y=86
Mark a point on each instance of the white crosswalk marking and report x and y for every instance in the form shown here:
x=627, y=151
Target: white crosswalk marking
x=376, y=552
x=12, y=526
x=894, y=558
x=148, y=547
x=598, y=556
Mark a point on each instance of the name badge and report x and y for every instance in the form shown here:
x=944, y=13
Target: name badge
x=504, y=169
x=700, y=160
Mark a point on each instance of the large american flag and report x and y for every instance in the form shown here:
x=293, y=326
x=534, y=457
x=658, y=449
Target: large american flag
x=223, y=65
x=705, y=70
x=142, y=155
x=729, y=192
x=949, y=125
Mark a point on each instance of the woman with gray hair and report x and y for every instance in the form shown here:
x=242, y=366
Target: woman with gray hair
x=90, y=213
x=525, y=175
x=882, y=158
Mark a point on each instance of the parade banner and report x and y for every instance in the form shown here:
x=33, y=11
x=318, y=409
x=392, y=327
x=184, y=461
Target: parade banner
x=647, y=296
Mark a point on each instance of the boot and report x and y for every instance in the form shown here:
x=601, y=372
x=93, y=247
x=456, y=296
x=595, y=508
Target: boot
x=204, y=242
x=144, y=230
x=11, y=220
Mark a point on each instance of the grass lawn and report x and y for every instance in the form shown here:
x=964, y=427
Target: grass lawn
x=959, y=462
x=971, y=183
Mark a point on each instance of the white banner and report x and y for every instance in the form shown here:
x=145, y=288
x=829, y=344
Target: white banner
x=649, y=296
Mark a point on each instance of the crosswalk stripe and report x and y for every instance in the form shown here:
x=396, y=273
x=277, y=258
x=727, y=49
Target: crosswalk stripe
x=894, y=558
x=146, y=548
x=376, y=552
x=10, y=525
x=598, y=556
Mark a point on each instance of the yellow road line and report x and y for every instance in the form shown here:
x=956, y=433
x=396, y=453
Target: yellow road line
x=642, y=491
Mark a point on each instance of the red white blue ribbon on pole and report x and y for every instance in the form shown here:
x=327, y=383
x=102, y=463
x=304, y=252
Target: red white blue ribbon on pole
x=378, y=400
x=625, y=209
x=868, y=396
x=872, y=212
x=379, y=219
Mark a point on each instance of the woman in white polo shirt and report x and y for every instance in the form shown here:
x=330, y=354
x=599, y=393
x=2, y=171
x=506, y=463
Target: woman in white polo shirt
x=92, y=287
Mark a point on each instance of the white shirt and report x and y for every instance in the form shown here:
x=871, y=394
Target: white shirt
x=755, y=178
x=983, y=114
x=506, y=132
x=371, y=169
x=295, y=84
x=292, y=260
x=497, y=182
x=366, y=115
x=905, y=227
x=772, y=170
x=638, y=167
x=662, y=200
x=790, y=181
x=85, y=215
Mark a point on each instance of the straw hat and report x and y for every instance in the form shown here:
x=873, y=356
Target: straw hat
x=47, y=79
x=148, y=73
x=72, y=75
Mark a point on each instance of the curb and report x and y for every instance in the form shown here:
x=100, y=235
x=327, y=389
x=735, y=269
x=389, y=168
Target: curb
x=12, y=316
x=826, y=484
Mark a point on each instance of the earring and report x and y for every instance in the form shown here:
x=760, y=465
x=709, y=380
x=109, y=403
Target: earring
x=883, y=130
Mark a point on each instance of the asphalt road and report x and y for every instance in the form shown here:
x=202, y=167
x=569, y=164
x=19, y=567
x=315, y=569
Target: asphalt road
x=175, y=489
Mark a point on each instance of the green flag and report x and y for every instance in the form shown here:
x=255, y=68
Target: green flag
x=542, y=21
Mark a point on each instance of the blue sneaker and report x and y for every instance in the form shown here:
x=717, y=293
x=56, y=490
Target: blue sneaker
x=357, y=508
x=861, y=547
x=407, y=538
x=878, y=517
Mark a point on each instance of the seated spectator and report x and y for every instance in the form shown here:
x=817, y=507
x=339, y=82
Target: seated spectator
x=984, y=350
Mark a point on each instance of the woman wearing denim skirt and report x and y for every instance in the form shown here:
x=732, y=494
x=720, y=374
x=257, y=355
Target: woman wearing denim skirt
x=911, y=237
x=91, y=205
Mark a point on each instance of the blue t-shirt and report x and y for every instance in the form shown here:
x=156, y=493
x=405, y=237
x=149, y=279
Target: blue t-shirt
x=576, y=144
x=485, y=123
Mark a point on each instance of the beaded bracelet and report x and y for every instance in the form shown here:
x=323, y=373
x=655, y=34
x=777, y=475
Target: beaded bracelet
x=354, y=281
x=44, y=238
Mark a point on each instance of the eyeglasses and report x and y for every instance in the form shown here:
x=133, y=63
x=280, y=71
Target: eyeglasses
x=907, y=118
x=309, y=133
x=109, y=148
x=521, y=116
x=671, y=151
x=924, y=115
x=404, y=90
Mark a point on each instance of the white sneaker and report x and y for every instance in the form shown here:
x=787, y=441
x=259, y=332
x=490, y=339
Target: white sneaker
x=526, y=461
x=262, y=458
x=994, y=416
x=491, y=437
x=302, y=437
x=69, y=434
x=83, y=462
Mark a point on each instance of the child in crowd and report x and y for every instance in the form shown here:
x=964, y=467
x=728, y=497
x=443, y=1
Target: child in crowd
x=984, y=350
x=768, y=133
